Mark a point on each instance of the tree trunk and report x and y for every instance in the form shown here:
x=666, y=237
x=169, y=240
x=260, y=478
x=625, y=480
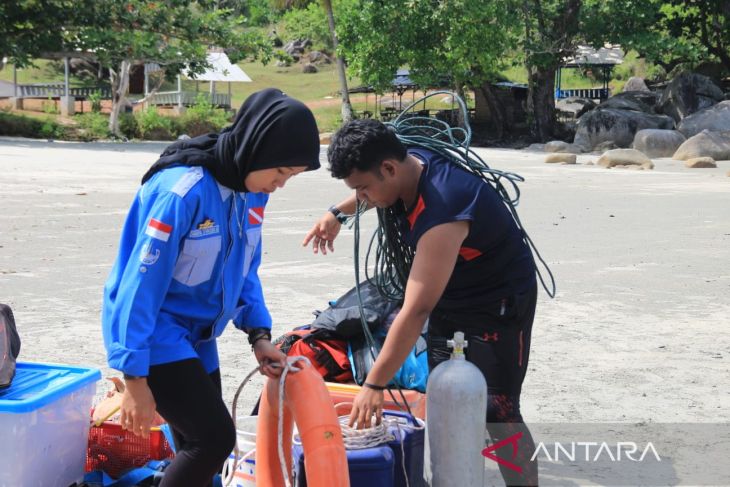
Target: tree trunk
x=541, y=101
x=461, y=117
x=496, y=110
x=346, y=106
x=120, y=87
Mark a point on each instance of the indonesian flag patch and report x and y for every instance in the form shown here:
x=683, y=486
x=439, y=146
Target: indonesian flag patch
x=256, y=215
x=157, y=229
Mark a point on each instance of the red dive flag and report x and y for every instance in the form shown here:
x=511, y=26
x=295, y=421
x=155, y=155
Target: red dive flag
x=256, y=215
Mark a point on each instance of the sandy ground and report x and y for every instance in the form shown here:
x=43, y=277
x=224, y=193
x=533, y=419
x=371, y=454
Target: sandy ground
x=637, y=332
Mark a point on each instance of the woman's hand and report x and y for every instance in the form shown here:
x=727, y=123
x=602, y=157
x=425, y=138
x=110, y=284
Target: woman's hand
x=271, y=359
x=367, y=403
x=138, y=407
x=323, y=234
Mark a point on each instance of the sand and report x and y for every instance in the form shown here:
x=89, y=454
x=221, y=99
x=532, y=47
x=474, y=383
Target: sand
x=638, y=330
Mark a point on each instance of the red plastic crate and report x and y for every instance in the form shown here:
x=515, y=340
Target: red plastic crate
x=116, y=451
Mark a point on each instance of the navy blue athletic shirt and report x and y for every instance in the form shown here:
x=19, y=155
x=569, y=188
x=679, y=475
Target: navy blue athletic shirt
x=494, y=262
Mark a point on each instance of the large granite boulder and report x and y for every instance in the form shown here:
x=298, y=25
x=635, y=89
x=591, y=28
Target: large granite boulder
x=318, y=57
x=309, y=68
x=657, y=142
x=625, y=158
x=620, y=126
x=635, y=84
x=701, y=163
x=561, y=158
x=575, y=105
x=639, y=101
x=560, y=146
x=689, y=93
x=297, y=47
x=715, y=119
x=705, y=144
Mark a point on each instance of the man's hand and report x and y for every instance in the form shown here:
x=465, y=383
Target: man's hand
x=271, y=359
x=367, y=403
x=138, y=407
x=323, y=234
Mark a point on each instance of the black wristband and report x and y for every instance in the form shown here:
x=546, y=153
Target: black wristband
x=374, y=387
x=128, y=377
x=341, y=217
x=256, y=334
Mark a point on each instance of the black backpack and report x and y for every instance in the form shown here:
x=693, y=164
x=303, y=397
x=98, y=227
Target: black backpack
x=9, y=345
x=343, y=316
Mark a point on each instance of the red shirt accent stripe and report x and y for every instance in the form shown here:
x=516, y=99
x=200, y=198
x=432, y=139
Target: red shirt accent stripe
x=420, y=206
x=157, y=224
x=468, y=253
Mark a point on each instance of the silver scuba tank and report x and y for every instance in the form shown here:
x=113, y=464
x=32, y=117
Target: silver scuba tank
x=456, y=408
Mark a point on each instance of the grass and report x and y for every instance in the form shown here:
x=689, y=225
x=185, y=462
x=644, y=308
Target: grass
x=320, y=90
x=42, y=72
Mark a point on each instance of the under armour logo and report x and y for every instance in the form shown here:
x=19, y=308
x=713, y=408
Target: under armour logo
x=494, y=337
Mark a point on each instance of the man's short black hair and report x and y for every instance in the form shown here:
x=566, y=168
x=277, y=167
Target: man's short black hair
x=362, y=144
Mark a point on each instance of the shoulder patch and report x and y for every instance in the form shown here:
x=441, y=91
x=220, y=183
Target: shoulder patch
x=187, y=181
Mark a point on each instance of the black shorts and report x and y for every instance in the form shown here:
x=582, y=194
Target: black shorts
x=498, y=340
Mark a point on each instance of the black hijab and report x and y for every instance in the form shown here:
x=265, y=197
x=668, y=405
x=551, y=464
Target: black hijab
x=270, y=130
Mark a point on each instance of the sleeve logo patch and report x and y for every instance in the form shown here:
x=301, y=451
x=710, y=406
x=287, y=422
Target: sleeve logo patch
x=147, y=256
x=256, y=215
x=159, y=230
x=207, y=227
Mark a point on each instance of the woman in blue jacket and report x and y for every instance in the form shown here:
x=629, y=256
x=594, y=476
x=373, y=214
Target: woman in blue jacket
x=188, y=264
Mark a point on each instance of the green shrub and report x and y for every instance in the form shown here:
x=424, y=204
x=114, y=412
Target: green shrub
x=50, y=129
x=154, y=126
x=94, y=125
x=202, y=118
x=95, y=100
x=128, y=126
x=283, y=56
x=22, y=126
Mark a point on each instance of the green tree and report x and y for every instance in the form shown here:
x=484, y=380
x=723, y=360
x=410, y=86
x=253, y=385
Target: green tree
x=308, y=22
x=28, y=28
x=551, y=32
x=668, y=32
x=172, y=33
x=462, y=42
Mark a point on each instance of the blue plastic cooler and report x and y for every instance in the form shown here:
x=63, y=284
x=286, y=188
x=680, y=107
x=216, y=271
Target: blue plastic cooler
x=368, y=467
x=413, y=441
x=44, y=420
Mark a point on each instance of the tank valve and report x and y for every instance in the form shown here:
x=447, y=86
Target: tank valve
x=458, y=344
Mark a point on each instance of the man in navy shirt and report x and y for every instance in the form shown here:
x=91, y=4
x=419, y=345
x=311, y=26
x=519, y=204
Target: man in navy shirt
x=471, y=271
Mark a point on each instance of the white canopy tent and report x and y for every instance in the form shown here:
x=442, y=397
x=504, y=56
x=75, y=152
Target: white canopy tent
x=221, y=70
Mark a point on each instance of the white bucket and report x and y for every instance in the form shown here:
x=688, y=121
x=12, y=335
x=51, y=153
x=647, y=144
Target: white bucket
x=244, y=474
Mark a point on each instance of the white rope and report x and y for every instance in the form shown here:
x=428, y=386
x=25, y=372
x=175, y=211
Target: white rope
x=359, y=439
x=229, y=473
x=290, y=361
x=354, y=439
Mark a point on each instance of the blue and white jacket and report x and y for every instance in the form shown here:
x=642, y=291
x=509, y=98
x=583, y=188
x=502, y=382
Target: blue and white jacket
x=187, y=265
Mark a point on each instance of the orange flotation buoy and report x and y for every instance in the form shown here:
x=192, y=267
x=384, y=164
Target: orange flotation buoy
x=306, y=402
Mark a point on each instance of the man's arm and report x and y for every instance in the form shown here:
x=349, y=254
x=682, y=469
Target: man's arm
x=432, y=267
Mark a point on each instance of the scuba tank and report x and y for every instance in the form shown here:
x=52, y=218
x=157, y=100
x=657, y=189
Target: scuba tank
x=456, y=405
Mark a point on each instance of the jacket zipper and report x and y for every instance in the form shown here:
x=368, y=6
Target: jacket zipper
x=225, y=259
